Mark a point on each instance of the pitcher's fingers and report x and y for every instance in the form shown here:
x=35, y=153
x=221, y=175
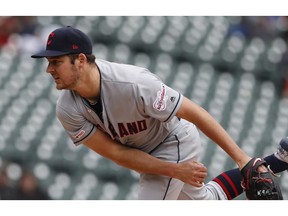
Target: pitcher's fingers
x=201, y=169
x=197, y=184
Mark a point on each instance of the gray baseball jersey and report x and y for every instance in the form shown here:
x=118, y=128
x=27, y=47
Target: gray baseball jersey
x=138, y=109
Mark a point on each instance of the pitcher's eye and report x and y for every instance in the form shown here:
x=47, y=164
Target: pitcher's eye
x=55, y=62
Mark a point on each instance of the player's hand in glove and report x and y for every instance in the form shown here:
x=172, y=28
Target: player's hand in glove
x=259, y=185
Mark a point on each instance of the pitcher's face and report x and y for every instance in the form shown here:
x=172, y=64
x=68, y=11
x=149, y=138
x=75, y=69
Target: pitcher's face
x=64, y=73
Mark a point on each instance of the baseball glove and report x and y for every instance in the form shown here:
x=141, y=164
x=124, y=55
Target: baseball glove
x=257, y=185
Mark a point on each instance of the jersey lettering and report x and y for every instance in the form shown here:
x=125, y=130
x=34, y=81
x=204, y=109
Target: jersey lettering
x=142, y=125
x=131, y=128
x=112, y=130
x=122, y=130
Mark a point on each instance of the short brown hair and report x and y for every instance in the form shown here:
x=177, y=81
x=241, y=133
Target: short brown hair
x=90, y=58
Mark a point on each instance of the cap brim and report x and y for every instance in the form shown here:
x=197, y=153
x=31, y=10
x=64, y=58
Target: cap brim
x=49, y=53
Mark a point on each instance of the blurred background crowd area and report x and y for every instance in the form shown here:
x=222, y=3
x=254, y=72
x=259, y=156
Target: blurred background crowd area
x=189, y=38
x=235, y=67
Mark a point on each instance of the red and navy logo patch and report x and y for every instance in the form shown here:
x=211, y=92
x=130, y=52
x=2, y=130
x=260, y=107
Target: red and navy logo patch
x=80, y=134
x=160, y=102
x=50, y=38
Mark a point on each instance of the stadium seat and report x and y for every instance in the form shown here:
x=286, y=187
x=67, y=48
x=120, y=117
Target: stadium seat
x=203, y=86
x=184, y=75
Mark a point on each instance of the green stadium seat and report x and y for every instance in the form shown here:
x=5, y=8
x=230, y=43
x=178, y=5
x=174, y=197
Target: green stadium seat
x=142, y=60
x=110, y=191
x=203, y=85
x=121, y=53
x=163, y=66
x=129, y=31
x=217, y=165
x=184, y=75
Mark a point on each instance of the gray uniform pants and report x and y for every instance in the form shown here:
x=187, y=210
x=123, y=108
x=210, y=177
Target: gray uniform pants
x=182, y=144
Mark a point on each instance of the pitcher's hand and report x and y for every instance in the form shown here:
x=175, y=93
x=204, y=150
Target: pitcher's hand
x=191, y=172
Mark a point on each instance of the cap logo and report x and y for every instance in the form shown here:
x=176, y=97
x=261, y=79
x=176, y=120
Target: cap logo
x=74, y=47
x=50, y=38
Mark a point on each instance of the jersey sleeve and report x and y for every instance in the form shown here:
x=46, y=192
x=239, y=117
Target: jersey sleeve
x=76, y=126
x=158, y=100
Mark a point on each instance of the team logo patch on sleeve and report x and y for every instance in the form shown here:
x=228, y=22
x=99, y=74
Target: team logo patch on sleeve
x=80, y=134
x=160, y=102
